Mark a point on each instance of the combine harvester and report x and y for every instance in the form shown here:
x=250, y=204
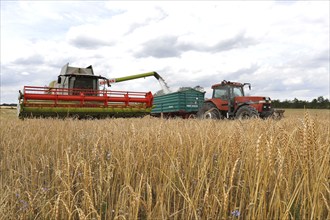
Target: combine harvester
x=77, y=93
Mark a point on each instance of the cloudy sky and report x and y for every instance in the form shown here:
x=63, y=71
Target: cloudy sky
x=281, y=47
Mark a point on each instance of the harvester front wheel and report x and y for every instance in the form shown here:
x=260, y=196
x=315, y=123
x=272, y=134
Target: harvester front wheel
x=208, y=111
x=246, y=112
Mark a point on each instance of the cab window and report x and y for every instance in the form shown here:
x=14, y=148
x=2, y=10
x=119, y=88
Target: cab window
x=221, y=93
x=237, y=91
x=84, y=83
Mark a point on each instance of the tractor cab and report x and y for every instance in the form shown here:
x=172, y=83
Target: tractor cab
x=228, y=90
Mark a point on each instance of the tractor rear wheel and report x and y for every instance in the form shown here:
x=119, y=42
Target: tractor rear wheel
x=246, y=112
x=208, y=111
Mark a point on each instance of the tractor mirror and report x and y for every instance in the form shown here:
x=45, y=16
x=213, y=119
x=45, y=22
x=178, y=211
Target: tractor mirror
x=59, y=80
x=249, y=84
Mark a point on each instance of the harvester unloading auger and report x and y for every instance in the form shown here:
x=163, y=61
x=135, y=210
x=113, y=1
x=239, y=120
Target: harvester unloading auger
x=76, y=93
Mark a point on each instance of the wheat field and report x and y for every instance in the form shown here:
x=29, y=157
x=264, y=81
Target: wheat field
x=151, y=168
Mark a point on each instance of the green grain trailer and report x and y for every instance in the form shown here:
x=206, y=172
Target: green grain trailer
x=183, y=104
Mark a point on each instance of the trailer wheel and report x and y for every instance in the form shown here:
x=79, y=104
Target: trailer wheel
x=246, y=112
x=208, y=111
x=192, y=116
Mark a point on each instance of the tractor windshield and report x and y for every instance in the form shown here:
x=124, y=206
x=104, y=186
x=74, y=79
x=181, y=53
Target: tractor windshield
x=221, y=93
x=237, y=91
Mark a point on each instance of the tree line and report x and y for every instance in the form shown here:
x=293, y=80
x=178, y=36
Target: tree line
x=317, y=103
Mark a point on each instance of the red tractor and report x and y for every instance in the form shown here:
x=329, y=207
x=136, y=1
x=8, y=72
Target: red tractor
x=228, y=101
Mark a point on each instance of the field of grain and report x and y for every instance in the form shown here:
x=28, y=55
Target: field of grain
x=152, y=168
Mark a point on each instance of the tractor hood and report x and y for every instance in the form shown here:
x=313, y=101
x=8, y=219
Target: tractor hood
x=252, y=99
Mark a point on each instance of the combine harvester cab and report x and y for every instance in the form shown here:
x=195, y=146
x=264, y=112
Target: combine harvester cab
x=76, y=93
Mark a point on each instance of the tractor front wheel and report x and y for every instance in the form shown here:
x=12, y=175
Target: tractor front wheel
x=208, y=111
x=246, y=112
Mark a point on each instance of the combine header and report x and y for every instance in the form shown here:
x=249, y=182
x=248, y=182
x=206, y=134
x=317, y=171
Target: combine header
x=76, y=93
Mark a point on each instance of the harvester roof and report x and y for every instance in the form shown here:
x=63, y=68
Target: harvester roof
x=69, y=70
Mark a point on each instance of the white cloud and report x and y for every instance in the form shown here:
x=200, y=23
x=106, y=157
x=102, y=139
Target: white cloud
x=25, y=73
x=293, y=81
x=276, y=46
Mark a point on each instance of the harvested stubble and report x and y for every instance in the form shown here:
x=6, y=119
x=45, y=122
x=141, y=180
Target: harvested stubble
x=165, y=169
